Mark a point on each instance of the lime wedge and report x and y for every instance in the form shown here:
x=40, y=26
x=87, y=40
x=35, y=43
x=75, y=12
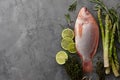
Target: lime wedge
x=65, y=42
x=61, y=57
x=72, y=48
x=68, y=33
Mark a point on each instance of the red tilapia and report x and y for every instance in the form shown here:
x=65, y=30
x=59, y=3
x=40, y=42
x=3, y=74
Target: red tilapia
x=86, y=38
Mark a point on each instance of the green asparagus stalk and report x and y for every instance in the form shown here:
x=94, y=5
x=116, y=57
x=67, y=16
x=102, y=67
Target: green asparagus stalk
x=111, y=49
x=113, y=54
x=106, y=42
x=101, y=25
x=114, y=69
x=116, y=59
x=112, y=40
x=118, y=29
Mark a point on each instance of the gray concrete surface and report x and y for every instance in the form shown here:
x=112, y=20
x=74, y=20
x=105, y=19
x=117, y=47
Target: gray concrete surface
x=30, y=38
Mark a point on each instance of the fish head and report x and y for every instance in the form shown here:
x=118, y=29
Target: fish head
x=84, y=13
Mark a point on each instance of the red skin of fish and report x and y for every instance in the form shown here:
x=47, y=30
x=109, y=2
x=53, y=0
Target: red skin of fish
x=86, y=38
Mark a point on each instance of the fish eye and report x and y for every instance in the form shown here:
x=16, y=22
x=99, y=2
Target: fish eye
x=85, y=9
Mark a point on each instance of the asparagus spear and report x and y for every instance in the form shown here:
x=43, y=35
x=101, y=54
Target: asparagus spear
x=113, y=53
x=116, y=59
x=114, y=69
x=112, y=40
x=101, y=25
x=106, y=42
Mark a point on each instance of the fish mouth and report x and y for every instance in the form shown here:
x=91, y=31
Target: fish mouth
x=84, y=9
x=84, y=12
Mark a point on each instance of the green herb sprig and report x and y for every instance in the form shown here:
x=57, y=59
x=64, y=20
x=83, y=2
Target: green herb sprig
x=72, y=7
x=74, y=68
x=100, y=69
x=68, y=18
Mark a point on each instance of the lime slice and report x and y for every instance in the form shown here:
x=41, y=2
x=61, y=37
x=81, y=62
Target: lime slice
x=65, y=42
x=72, y=48
x=61, y=57
x=68, y=33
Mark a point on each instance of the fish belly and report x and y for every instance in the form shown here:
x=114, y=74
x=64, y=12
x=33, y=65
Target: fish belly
x=85, y=44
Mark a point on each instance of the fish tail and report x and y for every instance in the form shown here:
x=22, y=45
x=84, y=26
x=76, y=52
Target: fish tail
x=87, y=66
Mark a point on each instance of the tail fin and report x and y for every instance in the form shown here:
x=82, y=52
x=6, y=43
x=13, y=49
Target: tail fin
x=87, y=66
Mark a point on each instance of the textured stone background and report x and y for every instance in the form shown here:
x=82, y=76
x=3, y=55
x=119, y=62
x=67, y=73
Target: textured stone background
x=30, y=38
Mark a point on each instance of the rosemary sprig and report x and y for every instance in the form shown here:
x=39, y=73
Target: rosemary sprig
x=68, y=18
x=72, y=7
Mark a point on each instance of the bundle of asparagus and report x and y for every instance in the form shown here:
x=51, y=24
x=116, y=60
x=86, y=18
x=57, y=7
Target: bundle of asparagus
x=109, y=25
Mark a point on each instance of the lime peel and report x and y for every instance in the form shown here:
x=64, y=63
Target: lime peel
x=68, y=33
x=61, y=57
x=72, y=48
x=65, y=42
